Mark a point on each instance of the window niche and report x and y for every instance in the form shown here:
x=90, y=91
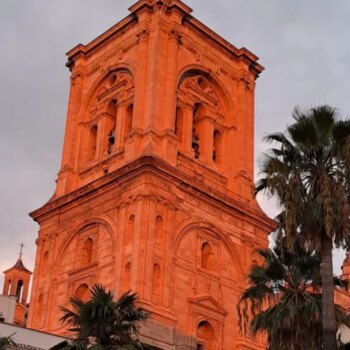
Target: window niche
x=19, y=291
x=207, y=257
x=92, y=143
x=217, y=146
x=129, y=232
x=156, y=284
x=200, y=109
x=110, y=115
x=86, y=253
x=9, y=287
x=159, y=230
x=129, y=119
x=197, y=138
x=126, y=282
x=82, y=292
x=111, y=122
x=205, y=336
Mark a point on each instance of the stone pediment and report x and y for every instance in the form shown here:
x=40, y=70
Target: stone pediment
x=208, y=302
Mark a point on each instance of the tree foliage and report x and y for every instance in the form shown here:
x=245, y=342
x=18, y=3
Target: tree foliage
x=104, y=323
x=283, y=299
x=309, y=174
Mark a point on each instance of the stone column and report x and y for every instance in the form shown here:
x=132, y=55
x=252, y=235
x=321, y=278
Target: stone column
x=187, y=129
x=171, y=81
x=205, y=129
x=120, y=125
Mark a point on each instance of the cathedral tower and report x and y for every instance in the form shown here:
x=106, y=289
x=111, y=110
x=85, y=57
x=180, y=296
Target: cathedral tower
x=155, y=190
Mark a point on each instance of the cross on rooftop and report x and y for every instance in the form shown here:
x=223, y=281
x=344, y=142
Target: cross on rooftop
x=21, y=251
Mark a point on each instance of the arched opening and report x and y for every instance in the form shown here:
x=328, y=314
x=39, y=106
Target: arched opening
x=86, y=255
x=179, y=124
x=127, y=276
x=83, y=292
x=9, y=287
x=156, y=283
x=111, y=125
x=205, y=336
x=198, y=113
x=217, y=146
x=19, y=291
x=45, y=263
x=129, y=119
x=92, y=143
x=206, y=257
x=129, y=234
x=159, y=230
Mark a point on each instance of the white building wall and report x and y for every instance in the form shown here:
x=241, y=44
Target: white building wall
x=7, y=307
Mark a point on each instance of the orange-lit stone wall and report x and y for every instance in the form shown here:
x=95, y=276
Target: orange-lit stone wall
x=155, y=191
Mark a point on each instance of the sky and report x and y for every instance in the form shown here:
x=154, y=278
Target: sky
x=304, y=46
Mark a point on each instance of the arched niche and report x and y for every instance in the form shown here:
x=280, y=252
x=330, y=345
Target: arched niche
x=19, y=291
x=201, y=110
x=70, y=251
x=206, y=338
x=82, y=292
x=126, y=277
x=87, y=251
x=187, y=246
x=109, y=111
x=129, y=231
x=207, y=257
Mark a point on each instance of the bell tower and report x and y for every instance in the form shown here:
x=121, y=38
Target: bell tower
x=155, y=190
x=16, y=284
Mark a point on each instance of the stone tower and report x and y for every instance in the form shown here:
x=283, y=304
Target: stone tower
x=155, y=190
x=16, y=284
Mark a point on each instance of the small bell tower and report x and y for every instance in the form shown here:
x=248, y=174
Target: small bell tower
x=16, y=284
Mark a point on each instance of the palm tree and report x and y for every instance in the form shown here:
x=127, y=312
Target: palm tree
x=284, y=299
x=103, y=323
x=5, y=341
x=309, y=174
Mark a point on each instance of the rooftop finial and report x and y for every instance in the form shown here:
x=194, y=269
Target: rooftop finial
x=21, y=250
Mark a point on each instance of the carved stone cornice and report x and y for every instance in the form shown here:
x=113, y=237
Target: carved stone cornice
x=175, y=36
x=161, y=169
x=143, y=35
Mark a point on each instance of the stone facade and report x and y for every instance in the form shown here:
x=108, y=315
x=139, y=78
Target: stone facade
x=155, y=190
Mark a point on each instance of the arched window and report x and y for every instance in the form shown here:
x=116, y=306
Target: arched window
x=127, y=277
x=129, y=234
x=83, y=292
x=159, y=230
x=9, y=288
x=217, y=146
x=86, y=254
x=156, y=280
x=179, y=124
x=92, y=143
x=206, y=257
x=129, y=119
x=205, y=336
x=198, y=112
x=19, y=291
x=45, y=263
x=111, y=125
